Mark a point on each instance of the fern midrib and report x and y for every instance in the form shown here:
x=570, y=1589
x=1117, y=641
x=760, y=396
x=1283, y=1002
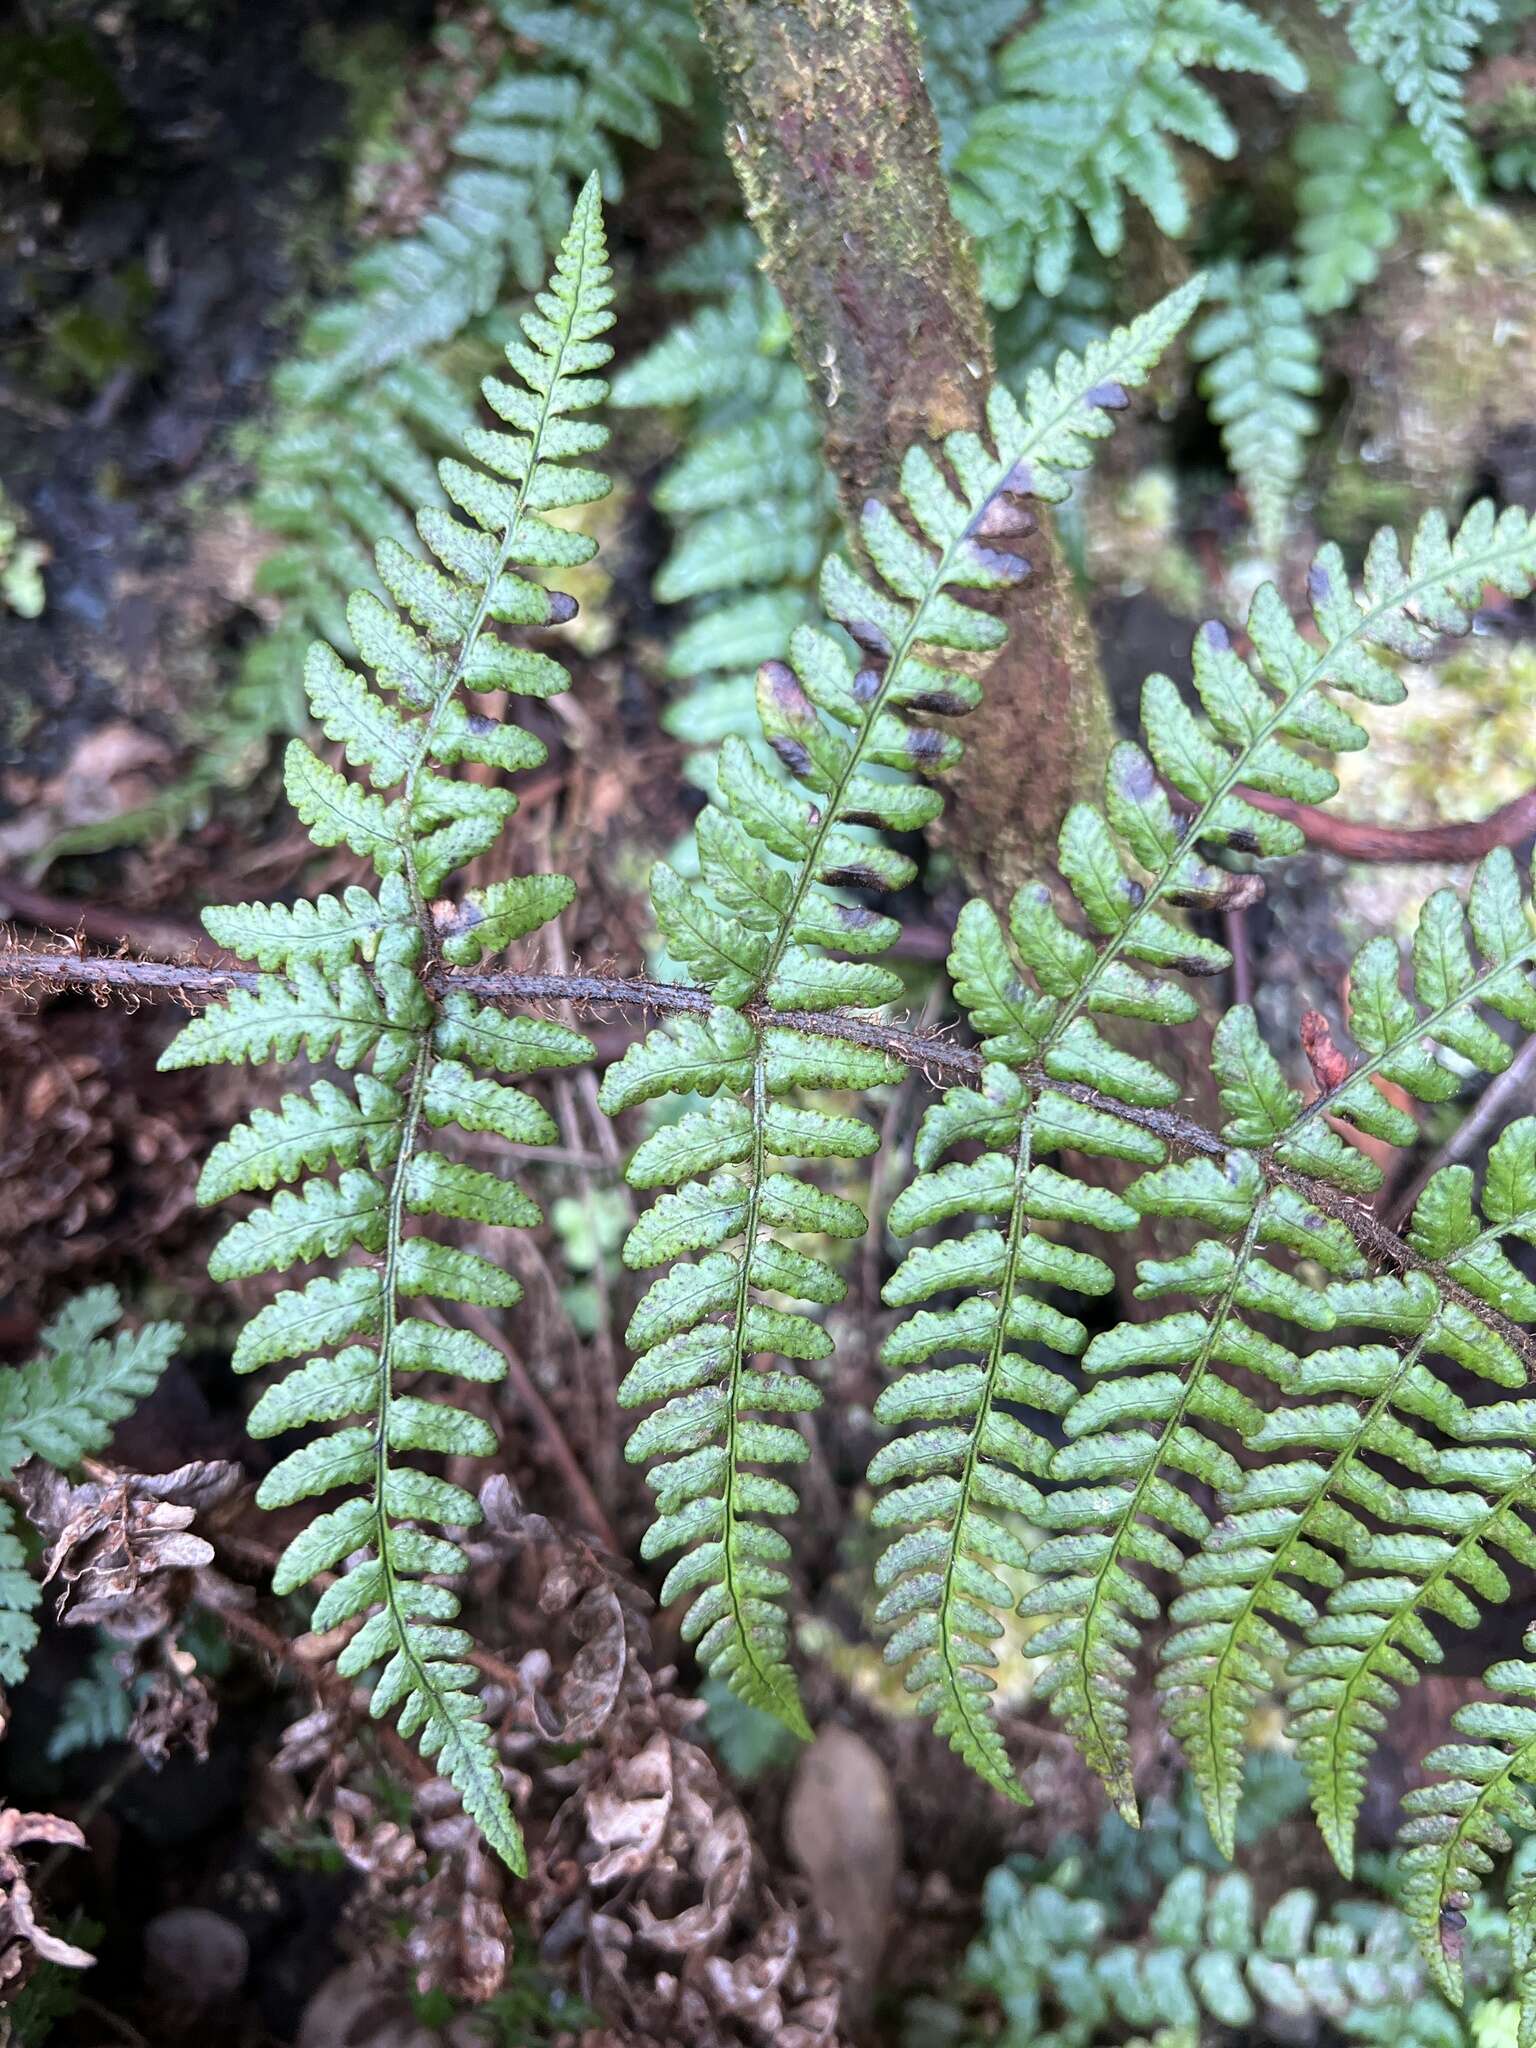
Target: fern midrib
x=772, y=1687
x=1425, y=1027
x=1127, y=1517
x=1365, y=1661
x=1115, y=945
x=1299, y=1534
x=1018, y=1220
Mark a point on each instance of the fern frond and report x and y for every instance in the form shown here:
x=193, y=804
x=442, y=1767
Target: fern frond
x=383, y=382
x=1455, y=1829
x=1156, y=1417
x=749, y=496
x=1262, y=367
x=764, y=927
x=64, y=1403
x=1421, y=48
x=349, y=985
x=96, y=1709
x=1097, y=90
x=1361, y=170
x=959, y=39
x=20, y=1596
x=1206, y=1962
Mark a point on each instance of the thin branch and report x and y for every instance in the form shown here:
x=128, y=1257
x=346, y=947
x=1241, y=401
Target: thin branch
x=935, y=1056
x=1502, y=1092
x=1468, y=839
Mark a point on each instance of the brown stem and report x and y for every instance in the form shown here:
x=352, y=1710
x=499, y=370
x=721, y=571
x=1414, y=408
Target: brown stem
x=834, y=142
x=1468, y=839
x=929, y=1053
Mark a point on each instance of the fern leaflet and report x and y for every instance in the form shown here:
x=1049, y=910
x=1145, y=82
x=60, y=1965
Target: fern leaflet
x=1262, y=368
x=348, y=983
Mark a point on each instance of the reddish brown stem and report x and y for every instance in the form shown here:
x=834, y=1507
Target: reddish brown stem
x=1468, y=839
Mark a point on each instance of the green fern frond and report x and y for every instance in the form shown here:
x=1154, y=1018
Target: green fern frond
x=345, y=981
x=748, y=495
x=1361, y=171
x=959, y=39
x=96, y=1709
x=1455, y=1829
x=64, y=1403
x=1154, y=1419
x=1422, y=48
x=764, y=926
x=61, y=1406
x=1207, y=1961
x=1263, y=365
x=1097, y=91
x=20, y=1596
x=598, y=71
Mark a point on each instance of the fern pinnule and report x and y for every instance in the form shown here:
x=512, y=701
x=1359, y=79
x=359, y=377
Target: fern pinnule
x=347, y=979
x=767, y=928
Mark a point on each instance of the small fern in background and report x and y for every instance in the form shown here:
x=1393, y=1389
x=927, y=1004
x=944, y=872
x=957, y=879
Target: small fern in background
x=748, y=494
x=60, y=1407
x=1094, y=93
x=345, y=980
x=1422, y=48
x=1052, y=1957
x=1261, y=370
x=1362, y=170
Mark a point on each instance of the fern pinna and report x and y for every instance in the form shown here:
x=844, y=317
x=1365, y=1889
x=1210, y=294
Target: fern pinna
x=1161, y=1409
x=59, y=1407
x=1070, y=138
x=763, y=931
x=348, y=980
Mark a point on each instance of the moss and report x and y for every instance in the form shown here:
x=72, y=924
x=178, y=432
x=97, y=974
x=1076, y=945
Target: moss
x=1132, y=541
x=90, y=340
x=59, y=103
x=1462, y=744
x=1445, y=358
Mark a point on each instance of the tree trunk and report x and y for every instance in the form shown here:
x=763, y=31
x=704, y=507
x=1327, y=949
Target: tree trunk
x=834, y=141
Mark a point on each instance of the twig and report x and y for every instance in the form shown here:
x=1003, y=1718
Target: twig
x=547, y=1424
x=1468, y=839
x=930, y=1054
x=108, y=926
x=1499, y=1095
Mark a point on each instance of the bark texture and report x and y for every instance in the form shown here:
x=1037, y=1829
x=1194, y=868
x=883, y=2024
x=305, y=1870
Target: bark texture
x=834, y=141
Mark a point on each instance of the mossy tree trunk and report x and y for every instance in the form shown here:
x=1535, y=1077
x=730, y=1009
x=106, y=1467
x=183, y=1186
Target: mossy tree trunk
x=834, y=141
